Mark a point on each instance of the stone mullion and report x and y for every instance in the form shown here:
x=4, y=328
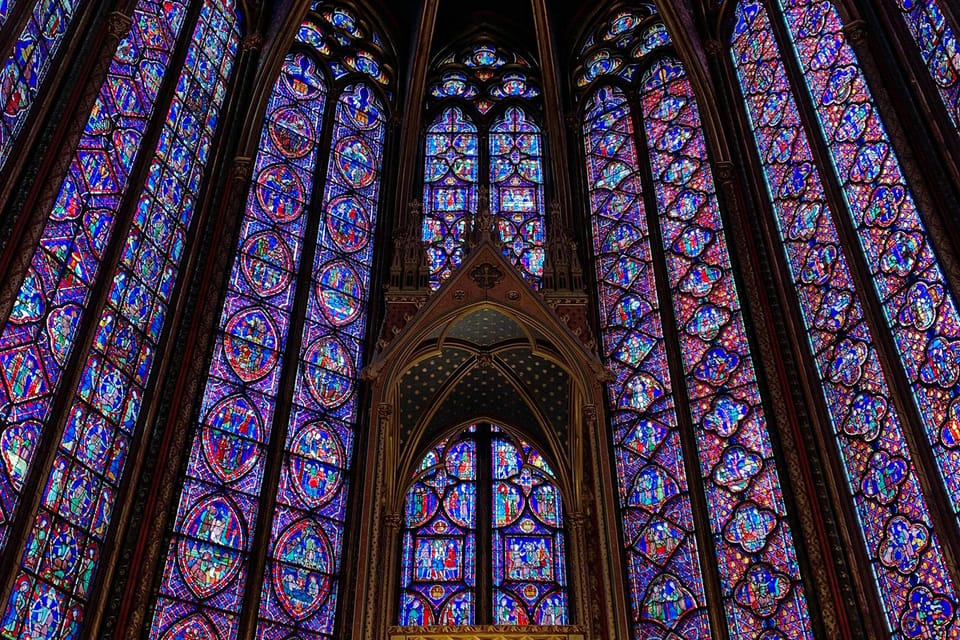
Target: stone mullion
x=696, y=490
x=161, y=497
x=412, y=116
x=554, y=131
x=53, y=101
x=941, y=513
x=27, y=230
x=936, y=206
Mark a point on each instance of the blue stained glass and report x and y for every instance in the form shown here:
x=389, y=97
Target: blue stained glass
x=516, y=190
x=26, y=69
x=666, y=587
x=300, y=587
x=938, y=46
x=438, y=557
x=920, y=310
x=204, y=578
x=38, y=338
x=449, y=190
x=917, y=592
x=529, y=568
x=438, y=560
x=758, y=566
x=67, y=537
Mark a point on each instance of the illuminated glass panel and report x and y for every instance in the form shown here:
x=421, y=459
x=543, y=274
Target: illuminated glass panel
x=516, y=190
x=205, y=574
x=909, y=568
x=921, y=312
x=26, y=68
x=38, y=338
x=438, y=575
x=938, y=46
x=449, y=191
x=663, y=564
x=300, y=585
x=529, y=572
x=758, y=567
x=67, y=537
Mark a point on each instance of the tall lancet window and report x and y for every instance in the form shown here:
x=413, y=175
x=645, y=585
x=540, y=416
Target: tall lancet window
x=520, y=520
x=484, y=136
x=287, y=357
x=37, y=34
x=97, y=422
x=937, y=41
x=861, y=194
x=663, y=269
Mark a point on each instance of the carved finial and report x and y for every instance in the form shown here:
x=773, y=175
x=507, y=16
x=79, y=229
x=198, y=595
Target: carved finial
x=714, y=48
x=251, y=42
x=118, y=24
x=242, y=168
x=856, y=31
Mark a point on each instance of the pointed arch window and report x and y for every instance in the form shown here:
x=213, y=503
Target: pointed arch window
x=484, y=95
x=60, y=558
x=483, y=486
x=294, y=318
x=918, y=311
x=664, y=269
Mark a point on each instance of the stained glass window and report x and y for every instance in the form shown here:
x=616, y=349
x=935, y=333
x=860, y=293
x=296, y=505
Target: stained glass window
x=38, y=338
x=449, y=190
x=938, y=46
x=529, y=571
x=27, y=65
x=68, y=534
x=304, y=553
x=663, y=562
x=438, y=576
x=759, y=575
x=443, y=522
x=472, y=83
x=908, y=563
x=516, y=178
x=244, y=411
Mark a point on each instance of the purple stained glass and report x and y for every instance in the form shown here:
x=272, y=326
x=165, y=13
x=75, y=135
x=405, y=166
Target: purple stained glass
x=204, y=578
x=516, y=190
x=38, y=337
x=438, y=560
x=663, y=565
x=449, y=190
x=529, y=568
x=920, y=310
x=300, y=586
x=26, y=69
x=67, y=537
x=759, y=574
x=938, y=46
x=909, y=568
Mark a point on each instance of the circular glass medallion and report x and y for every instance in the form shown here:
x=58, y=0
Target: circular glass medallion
x=355, y=161
x=280, y=193
x=340, y=292
x=231, y=431
x=266, y=263
x=207, y=550
x=348, y=224
x=291, y=131
x=300, y=572
x=250, y=344
x=329, y=372
x=315, y=462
